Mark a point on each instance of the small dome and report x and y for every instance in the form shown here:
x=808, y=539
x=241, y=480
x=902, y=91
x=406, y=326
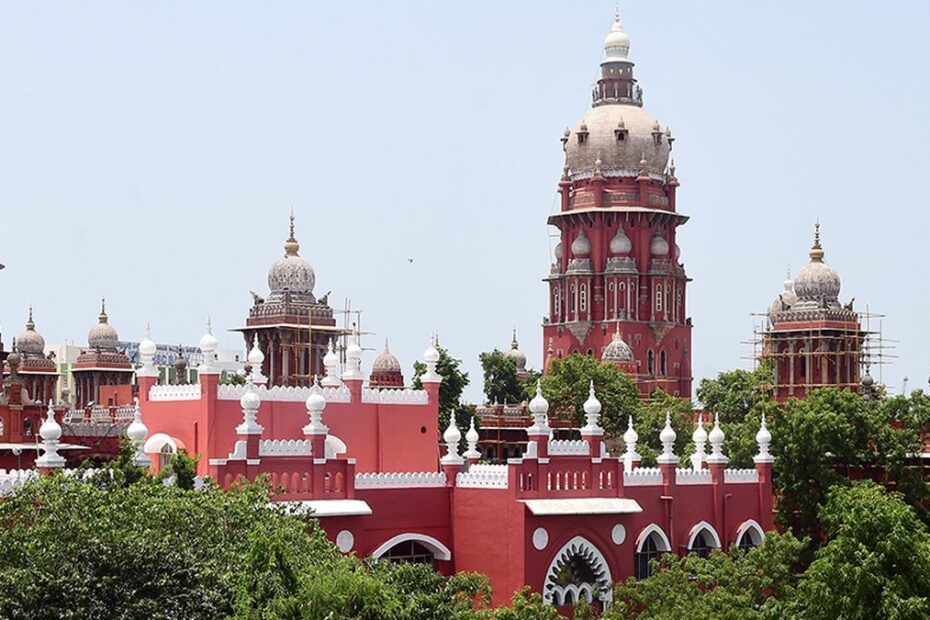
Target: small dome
x=668, y=434
x=617, y=350
x=255, y=357
x=518, y=357
x=291, y=272
x=659, y=246
x=147, y=346
x=30, y=342
x=581, y=247
x=817, y=281
x=630, y=437
x=431, y=354
x=102, y=335
x=617, y=43
x=208, y=342
x=250, y=401
x=620, y=244
x=557, y=253
x=786, y=298
x=386, y=362
x=699, y=436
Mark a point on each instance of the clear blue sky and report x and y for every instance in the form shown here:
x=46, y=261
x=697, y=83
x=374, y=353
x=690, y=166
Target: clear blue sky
x=152, y=151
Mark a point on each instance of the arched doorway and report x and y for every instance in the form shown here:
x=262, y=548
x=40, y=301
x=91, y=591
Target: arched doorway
x=577, y=570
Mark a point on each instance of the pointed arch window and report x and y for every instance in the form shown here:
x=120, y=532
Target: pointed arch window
x=650, y=362
x=659, y=298
x=583, y=302
x=663, y=363
x=651, y=544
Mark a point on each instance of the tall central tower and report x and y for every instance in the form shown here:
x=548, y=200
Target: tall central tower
x=617, y=266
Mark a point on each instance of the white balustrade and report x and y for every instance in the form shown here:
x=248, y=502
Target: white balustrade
x=284, y=447
x=483, y=477
x=406, y=396
x=569, y=447
x=189, y=391
x=643, y=476
x=740, y=476
x=280, y=393
x=400, y=480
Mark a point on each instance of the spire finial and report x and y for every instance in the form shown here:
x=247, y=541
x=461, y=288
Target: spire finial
x=30, y=324
x=817, y=249
x=291, y=246
x=103, y=310
x=513, y=343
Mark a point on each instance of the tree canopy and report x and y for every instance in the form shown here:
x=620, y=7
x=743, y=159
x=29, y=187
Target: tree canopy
x=454, y=382
x=501, y=383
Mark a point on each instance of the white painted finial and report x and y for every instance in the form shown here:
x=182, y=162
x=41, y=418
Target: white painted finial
x=451, y=437
x=208, y=345
x=630, y=437
x=699, y=437
x=668, y=437
x=472, y=438
x=331, y=366
x=716, y=437
x=431, y=358
x=764, y=440
x=136, y=432
x=250, y=402
x=316, y=403
x=147, y=350
x=50, y=432
x=539, y=409
x=592, y=411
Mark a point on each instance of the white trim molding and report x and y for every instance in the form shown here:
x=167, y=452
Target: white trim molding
x=698, y=528
x=750, y=526
x=569, y=594
x=440, y=551
x=650, y=529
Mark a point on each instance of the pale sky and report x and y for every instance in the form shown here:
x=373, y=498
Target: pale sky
x=151, y=152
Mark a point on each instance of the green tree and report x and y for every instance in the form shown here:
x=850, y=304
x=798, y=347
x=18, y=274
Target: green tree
x=454, y=382
x=650, y=420
x=501, y=383
x=736, y=394
x=746, y=585
x=566, y=389
x=875, y=564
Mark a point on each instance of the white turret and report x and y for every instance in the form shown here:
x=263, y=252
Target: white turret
x=764, y=440
x=147, y=350
x=539, y=409
x=316, y=403
x=630, y=437
x=50, y=431
x=256, y=360
x=353, y=360
x=331, y=365
x=452, y=436
x=472, y=437
x=716, y=437
x=592, y=414
x=136, y=433
x=668, y=437
x=431, y=358
x=250, y=403
x=208, y=345
x=699, y=437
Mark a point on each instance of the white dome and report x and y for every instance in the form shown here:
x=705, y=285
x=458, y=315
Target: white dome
x=291, y=272
x=617, y=43
x=618, y=158
x=786, y=298
x=617, y=350
x=659, y=246
x=208, y=342
x=147, y=346
x=620, y=244
x=581, y=247
x=250, y=401
x=817, y=282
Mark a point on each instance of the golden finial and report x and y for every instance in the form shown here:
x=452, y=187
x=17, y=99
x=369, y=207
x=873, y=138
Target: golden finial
x=29, y=322
x=817, y=250
x=291, y=247
x=103, y=310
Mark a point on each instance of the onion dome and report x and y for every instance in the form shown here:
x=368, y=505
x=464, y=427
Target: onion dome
x=147, y=347
x=208, y=342
x=668, y=435
x=250, y=400
x=50, y=429
x=699, y=436
x=30, y=342
x=716, y=435
x=518, y=356
x=817, y=283
x=431, y=354
x=617, y=43
x=385, y=371
x=102, y=335
x=581, y=247
x=630, y=436
x=617, y=350
x=255, y=357
x=620, y=244
x=659, y=246
x=136, y=431
x=557, y=253
x=291, y=273
x=764, y=436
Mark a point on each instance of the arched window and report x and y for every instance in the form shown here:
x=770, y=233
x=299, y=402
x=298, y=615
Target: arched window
x=574, y=300
x=749, y=535
x=652, y=542
x=663, y=363
x=584, y=297
x=579, y=570
x=703, y=539
x=164, y=456
x=413, y=548
x=650, y=362
x=409, y=552
x=659, y=298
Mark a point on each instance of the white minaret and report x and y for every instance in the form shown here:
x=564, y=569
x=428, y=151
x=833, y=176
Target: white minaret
x=630, y=437
x=716, y=437
x=50, y=431
x=256, y=359
x=668, y=437
x=699, y=437
x=136, y=432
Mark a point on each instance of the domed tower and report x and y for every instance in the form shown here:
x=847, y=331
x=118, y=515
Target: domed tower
x=293, y=327
x=518, y=357
x=617, y=263
x=38, y=373
x=386, y=371
x=102, y=372
x=813, y=340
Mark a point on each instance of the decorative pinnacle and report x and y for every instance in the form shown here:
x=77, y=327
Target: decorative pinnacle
x=30, y=324
x=513, y=343
x=103, y=310
x=817, y=249
x=291, y=246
